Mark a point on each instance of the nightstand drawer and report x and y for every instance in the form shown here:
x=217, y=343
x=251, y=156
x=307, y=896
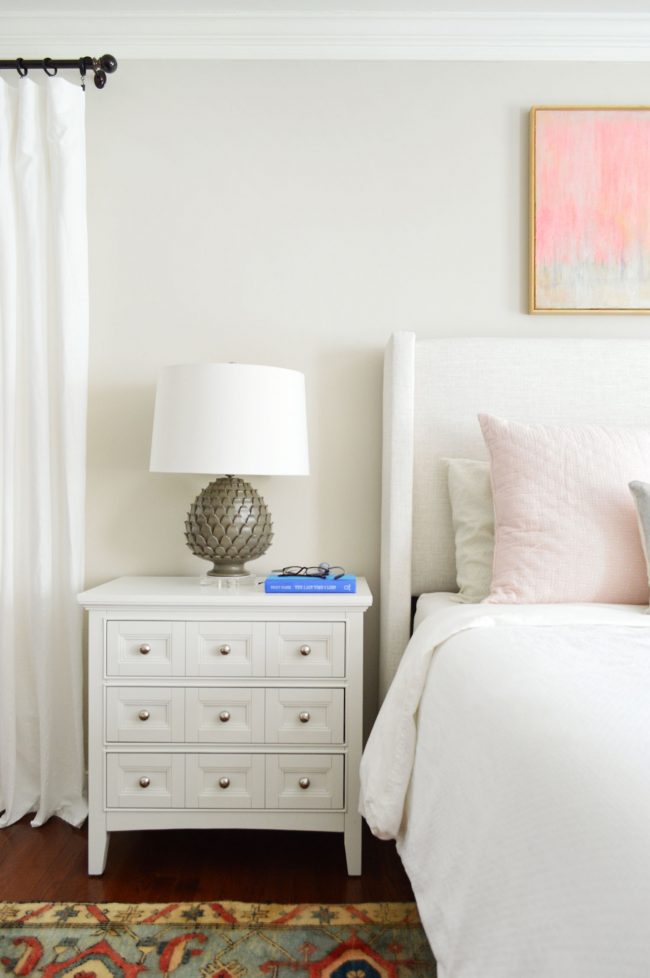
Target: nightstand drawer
x=145, y=648
x=309, y=649
x=225, y=781
x=304, y=781
x=145, y=780
x=304, y=716
x=225, y=648
x=224, y=716
x=143, y=714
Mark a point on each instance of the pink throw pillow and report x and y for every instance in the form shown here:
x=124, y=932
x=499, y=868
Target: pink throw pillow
x=565, y=523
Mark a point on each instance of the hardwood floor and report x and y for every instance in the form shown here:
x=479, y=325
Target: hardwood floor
x=49, y=863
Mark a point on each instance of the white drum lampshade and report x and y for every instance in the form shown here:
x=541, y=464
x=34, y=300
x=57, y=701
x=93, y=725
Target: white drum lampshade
x=226, y=419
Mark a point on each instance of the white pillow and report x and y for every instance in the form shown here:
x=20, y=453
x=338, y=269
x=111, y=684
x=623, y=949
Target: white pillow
x=566, y=527
x=470, y=495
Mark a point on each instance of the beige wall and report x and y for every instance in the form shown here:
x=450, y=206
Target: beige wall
x=296, y=214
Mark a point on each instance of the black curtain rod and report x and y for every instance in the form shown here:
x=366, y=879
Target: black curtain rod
x=100, y=67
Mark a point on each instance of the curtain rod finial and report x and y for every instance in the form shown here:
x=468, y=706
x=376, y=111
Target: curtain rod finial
x=108, y=63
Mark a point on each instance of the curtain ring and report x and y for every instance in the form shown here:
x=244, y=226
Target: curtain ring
x=82, y=72
x=49, y=69
x=100, y=74
x=21, y=67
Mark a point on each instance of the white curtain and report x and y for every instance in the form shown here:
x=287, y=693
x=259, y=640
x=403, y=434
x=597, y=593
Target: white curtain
x=43, y=391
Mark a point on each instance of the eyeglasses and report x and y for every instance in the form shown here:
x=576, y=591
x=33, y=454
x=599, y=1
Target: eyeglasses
x=322, y=571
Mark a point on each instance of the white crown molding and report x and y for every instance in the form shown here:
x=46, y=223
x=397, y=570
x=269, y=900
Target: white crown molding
x=318, y=36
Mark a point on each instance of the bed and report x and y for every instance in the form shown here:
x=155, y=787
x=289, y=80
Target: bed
x=511, y=755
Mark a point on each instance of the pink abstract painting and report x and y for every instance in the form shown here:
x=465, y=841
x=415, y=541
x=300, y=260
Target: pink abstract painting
x=590, y=210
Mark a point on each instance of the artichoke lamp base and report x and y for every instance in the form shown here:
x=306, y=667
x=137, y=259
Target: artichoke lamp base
x=229, y=524
x=234, y=569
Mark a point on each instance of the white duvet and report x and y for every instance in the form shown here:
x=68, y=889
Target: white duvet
x=511, y=761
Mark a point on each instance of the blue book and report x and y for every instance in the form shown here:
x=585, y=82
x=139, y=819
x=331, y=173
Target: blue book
x=276, y=584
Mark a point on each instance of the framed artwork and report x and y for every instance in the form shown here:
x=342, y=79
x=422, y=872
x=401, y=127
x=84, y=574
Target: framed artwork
x=590, y=209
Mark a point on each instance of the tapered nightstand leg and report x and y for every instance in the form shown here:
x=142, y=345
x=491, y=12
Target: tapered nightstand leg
x=352, y=838
x=98, y=839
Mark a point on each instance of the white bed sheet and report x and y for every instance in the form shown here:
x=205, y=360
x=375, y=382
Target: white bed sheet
x=511, y=760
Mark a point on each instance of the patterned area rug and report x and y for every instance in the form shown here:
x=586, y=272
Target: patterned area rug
x=213, y=940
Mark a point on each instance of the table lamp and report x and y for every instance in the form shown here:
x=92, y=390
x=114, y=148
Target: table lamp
x=231, y=418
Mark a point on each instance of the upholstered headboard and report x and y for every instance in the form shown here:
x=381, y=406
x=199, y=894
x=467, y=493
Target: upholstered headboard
x=433, y=390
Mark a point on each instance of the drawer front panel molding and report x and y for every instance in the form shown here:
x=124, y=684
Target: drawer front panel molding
x=304, y=781
x=305, y=649
x=224, y=716
x=304, y=716
x=233, y=648
x=145, y=780
x=225, y=781
x=141, y=714
x=145, y=648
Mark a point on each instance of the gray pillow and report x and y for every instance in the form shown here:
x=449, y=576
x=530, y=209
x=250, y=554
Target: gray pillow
x=641, y=493
x=470, y=495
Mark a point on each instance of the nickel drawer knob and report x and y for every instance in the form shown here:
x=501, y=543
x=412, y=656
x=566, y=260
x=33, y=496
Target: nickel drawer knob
x=145, y=648
x=224, y=716
x=304, y=717
x=145, y=782
x=144, y=715
x=225, y=649
x=305, y=649
x=224, y=782
x=304, y=782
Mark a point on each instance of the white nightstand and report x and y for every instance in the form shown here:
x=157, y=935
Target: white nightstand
x=223, y=709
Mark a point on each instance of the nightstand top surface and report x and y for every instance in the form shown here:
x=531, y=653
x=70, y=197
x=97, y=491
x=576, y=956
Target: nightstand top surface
x=190, y=592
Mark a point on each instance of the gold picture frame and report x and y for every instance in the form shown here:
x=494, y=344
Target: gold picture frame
x=589, y=210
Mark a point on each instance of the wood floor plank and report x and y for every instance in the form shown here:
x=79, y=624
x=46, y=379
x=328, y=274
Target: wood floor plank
x=49, y=863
